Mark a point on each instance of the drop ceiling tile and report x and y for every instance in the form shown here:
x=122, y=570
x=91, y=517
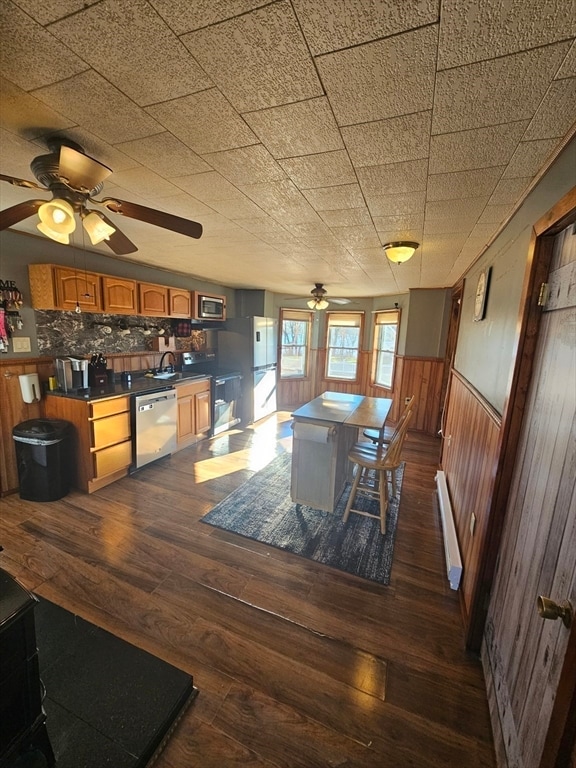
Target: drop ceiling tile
x=449, y=226
x=208, y=187
x=283, y=201
x=497, y=91
x=335, y=198
x=469, y=207
x=399, y=223
x=389, y=141
x=31, y=56
x=529, y=157
x=359, y=237
x=347, y=217
x=136, y=50
x=508, y=191
x=22, y=113
x=568, y=68
x=205, y=121
x=477, y=148
x=165, y=154
x=184, y=16
x=99, y=107
x=334, y=24
x=259, y=59
x=555, y=115
x=265, y=226
x=308, y=230
x=393, y=235
x=15, y=156
x=395, y=178
x=453, y=186
x=186, y=206
x=144, y=182
x=377, y=80
x=396, y=205
x=305, y=128
x=494, y=214
x=483, y=233
x=323, y=170
x=242, y=208
x=489, y=28
x=246, y=165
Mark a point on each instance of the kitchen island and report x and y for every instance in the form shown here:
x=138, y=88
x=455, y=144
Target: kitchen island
x=325, y=429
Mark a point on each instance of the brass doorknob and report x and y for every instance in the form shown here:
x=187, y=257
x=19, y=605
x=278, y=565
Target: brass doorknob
x=548, y=609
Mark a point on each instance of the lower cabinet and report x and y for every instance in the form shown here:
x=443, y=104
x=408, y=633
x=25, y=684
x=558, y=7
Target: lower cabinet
x=103, y=439
x=194, y=411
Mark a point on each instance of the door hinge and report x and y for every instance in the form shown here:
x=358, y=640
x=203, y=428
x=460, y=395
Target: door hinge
x=543, y=295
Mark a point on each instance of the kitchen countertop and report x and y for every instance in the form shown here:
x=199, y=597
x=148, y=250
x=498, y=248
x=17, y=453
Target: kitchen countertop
x=141, y=384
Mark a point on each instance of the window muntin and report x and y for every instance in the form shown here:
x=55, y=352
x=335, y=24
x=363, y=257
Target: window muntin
x=294, y=343
x=343, y=341
x=385, y=344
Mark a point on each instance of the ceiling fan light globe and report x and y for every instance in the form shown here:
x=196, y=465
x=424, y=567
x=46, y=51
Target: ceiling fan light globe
x=97, y=229
x=400, y=251
x=60, y=238
x=58, y=216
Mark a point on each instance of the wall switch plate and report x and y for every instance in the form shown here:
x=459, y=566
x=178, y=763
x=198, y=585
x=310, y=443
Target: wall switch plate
x=21, y=344
x=472, y=523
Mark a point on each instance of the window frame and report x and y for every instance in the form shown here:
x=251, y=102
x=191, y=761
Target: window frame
x=376, y=350
x=299, y=315
x=334, y=315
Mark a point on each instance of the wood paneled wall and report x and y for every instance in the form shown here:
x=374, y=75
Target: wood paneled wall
x=469, y=458
x=413, y=376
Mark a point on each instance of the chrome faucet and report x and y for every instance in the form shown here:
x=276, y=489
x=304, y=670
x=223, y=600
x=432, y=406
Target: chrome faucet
x=168, y=367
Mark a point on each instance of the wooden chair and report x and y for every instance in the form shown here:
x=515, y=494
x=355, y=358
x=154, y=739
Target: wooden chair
x=379, y=460
x=386, y=434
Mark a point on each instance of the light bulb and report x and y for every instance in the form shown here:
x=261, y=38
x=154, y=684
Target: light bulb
x=77, y=309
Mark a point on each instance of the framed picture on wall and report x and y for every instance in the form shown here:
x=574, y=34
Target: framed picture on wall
x=481, y=294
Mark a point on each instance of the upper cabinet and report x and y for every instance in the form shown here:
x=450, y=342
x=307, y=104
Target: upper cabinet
x=55, y=287
x=120, y=296
x=64, y=288
x=153, y=300
x=179, y=302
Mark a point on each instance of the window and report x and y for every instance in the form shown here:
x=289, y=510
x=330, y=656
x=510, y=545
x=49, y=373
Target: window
x=385, y=341
x=343, y=345
x=294, y=343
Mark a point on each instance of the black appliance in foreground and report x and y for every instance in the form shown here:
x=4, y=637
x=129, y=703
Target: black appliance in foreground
x=225, y=389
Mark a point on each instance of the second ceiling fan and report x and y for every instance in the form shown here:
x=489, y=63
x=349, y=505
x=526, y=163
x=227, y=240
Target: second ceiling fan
x=320, y=299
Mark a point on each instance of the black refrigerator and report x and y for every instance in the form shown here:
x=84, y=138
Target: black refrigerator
x=250, y=345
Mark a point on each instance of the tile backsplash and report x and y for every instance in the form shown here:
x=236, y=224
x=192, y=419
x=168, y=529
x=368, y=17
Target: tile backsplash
x=67, y=333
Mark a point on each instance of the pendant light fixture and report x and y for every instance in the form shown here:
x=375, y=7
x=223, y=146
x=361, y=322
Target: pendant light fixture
x=400, y=251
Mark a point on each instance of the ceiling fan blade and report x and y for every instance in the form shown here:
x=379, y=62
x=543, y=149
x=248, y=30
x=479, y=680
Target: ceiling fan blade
x=337, y=301
x=118, y=241
x=152, y=216
x=18, y=212
x=20, y=182
x=81, y=171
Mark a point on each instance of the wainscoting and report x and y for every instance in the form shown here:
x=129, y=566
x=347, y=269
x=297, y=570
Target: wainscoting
x=469, y=459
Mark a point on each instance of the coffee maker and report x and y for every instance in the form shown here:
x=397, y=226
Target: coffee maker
x=72, y=373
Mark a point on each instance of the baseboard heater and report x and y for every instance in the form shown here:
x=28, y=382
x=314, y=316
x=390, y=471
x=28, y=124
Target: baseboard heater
x=451, y=548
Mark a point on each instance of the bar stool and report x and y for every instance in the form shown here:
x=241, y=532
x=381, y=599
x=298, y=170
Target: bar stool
x=379, y=460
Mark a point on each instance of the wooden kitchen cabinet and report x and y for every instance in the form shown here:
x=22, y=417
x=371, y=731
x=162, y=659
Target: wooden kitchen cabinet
x=119, y=295
x=179, y=302
x=102, y=437
x=53, y=287
x=194, y=411
x=153, y=300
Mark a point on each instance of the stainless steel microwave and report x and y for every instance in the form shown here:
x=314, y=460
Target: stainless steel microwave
x=211, y=307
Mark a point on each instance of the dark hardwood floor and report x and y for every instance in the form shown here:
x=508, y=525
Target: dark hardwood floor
x=297, y=665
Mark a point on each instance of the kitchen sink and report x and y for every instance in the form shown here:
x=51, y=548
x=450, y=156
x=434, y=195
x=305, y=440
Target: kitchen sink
x=165, y=375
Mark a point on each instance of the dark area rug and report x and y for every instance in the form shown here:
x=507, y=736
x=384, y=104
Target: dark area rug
x=107, y=702
x=262, y=509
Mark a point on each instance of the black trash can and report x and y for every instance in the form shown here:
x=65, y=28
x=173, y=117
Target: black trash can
x=43, y=457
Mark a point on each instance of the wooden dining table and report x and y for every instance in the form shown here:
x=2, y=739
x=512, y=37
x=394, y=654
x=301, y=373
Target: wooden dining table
x=324, y=431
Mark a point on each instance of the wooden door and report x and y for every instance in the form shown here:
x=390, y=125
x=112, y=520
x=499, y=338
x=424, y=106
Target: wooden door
x=538, y=550
x=202, y=411
x=180, y=302
x=119, y=295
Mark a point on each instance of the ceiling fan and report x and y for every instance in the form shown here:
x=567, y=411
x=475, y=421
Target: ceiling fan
x=320, y=300
x=74, y=179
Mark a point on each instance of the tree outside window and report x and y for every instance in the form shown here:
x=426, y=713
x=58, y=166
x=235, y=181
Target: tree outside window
x=385, y=344
x=294, y=343
x=343, y=345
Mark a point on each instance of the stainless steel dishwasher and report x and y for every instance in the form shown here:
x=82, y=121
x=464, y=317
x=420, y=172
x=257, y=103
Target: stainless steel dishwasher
x=155, y=416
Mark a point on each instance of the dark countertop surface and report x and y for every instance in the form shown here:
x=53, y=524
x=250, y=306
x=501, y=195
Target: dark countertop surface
x=140, y=384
